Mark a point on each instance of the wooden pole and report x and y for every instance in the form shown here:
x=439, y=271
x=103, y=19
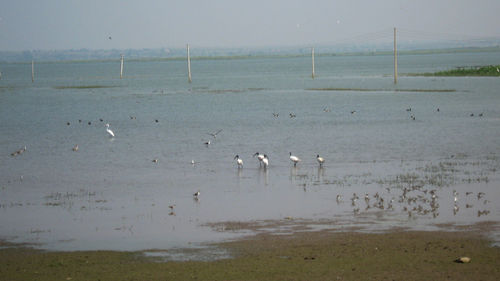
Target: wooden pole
x=395, y=59
x=312, y=55
x=32, y=71
x=189, y=64
x=121, y=67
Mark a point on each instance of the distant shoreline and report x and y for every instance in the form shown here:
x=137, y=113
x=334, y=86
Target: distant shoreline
x=114, y=55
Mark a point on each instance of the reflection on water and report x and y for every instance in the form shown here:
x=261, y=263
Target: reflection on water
x=382, y=168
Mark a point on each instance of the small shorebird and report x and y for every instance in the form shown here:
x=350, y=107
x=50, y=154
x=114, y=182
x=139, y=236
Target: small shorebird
x=480, y=195
x=109, y=130
x=172, y=207
x=260, y=157
x=294, y=159
x=321, y=160
x=354, y=199
x=239, y=161
x=75, y=148
x=19, y=152
x=455, y=195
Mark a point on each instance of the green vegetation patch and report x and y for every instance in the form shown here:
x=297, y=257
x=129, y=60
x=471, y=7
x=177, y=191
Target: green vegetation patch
x=322, y=255
x=381, y=90
x=83, y=87
x=489, y=70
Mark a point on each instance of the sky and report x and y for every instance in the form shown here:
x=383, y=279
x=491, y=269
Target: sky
x=73, y=24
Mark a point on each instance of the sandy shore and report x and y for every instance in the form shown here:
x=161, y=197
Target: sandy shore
x=302, y=255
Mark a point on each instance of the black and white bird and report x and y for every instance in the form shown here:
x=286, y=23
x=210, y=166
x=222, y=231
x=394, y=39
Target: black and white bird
x=239, y=161
x=294, y=159
x=196, y=194
x=265, y=161
x=321, y=160
x=260, y=157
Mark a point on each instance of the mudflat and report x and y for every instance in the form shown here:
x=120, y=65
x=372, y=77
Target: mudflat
x=306, y=255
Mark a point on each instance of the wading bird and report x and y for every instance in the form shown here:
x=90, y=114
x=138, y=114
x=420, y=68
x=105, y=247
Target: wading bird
x=294, y=159
x=239, y=161
x=321, y=160
x=265, y=161
x=109, y=130
x=260, y=157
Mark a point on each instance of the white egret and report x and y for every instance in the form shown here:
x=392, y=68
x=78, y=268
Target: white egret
x=109, y=130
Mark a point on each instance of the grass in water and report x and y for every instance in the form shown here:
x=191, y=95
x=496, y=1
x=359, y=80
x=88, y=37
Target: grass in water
x=83, y=87
x=382, y=90
x=489, y=70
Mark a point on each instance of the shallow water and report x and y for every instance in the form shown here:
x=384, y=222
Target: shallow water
x=111, y=195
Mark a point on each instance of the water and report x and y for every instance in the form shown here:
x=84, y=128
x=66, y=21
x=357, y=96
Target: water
x=111, y=195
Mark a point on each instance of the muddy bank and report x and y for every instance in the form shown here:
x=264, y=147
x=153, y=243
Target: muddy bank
x=311, y=255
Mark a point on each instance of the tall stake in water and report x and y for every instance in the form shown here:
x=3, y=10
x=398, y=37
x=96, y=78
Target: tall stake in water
x=312, y=55
x=32, y=71
x=189, y=64
x=121, y=67
x=395, y=59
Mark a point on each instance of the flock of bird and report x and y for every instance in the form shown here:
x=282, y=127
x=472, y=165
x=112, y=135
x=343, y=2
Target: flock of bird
x=380, y=202
x=417, y=201
x=264, y=160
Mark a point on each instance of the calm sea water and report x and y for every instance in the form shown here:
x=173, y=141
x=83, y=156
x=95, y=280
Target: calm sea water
x=111, y=195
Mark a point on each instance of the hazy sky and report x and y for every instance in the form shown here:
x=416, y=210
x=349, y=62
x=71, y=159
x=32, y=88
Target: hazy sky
x=66, y=24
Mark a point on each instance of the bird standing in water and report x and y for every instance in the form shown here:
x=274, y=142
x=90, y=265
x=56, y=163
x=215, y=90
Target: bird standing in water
x=321, y=160
x=239, y=161
x=109, y=130
x=294, y=159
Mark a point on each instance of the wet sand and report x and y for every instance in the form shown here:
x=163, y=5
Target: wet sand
x=299, y=255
